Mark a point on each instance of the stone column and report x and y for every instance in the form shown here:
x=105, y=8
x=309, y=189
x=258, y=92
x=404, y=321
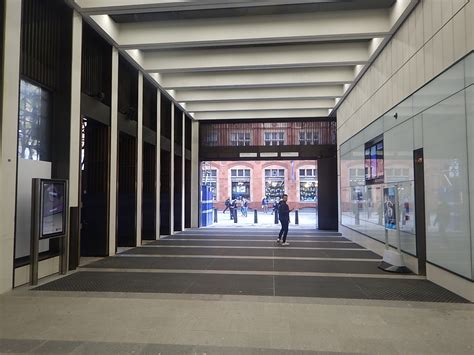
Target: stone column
x=114, y=132
x=158, y=163
x=171, y=182
x=183, y=175
x=139, y=160
x=8, y=140
x=195, y=166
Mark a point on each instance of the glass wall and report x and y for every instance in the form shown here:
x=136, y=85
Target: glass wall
x=438, y=118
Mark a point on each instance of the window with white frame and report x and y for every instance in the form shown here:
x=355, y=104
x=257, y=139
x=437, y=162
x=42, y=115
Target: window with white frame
x=309, y=137
x=240, y=183
x=240, y=139
x=308, y=185
x=240, y=172
x=274, y=138
x=308, y=172
x=274, y=184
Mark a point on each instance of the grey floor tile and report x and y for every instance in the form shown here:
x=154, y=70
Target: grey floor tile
x=15, y=346
x=57, y=347
x=109, y=349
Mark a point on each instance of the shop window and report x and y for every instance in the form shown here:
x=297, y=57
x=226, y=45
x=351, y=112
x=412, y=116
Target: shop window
x=274, y=184
x=240, y=183
x=309, y=184
x=34, y=122
x=240, y=139
x=274, y=138
x=308, y=191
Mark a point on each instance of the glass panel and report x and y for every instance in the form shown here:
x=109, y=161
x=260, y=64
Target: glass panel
x=398, y=154
x=446, y=180
x=446, y=84
x=470, y=142
x=34, y=123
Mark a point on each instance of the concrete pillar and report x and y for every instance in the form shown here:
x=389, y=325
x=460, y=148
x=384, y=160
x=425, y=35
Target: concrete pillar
x=171, y=182
x=195, y=174
x=113, y=154
x=139, y=160
x=75, y=131
x=158, y=163
x=8, y=140
x=183, y=175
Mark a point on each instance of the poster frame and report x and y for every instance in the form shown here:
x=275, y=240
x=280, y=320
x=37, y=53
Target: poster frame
x=42, y=187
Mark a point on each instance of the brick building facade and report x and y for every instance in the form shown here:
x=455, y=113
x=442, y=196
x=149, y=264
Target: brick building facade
x=255, y=179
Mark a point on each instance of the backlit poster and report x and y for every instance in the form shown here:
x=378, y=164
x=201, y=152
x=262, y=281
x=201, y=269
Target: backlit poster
x=389, y=208
x=53, y=208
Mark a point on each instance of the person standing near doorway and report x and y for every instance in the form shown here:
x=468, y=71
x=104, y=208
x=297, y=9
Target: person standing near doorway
x=284, y=217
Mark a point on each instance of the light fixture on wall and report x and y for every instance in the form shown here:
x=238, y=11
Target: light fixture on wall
x=395, y=115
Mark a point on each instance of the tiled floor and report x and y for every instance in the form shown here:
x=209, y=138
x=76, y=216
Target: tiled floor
x=237, y=292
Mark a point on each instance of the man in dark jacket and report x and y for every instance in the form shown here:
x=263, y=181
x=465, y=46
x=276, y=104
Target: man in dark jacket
x=284, y=217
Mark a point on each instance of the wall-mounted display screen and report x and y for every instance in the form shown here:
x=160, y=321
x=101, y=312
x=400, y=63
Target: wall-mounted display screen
x=374, y=162
x=53, y=208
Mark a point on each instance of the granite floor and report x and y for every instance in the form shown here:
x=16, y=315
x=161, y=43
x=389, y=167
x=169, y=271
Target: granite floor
x=247, y=296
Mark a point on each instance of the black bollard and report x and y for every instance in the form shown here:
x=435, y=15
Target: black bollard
x=215, y=215
x=235, y=215
x=255, y=218
x=297, y=218
x=276, y=216
x=231, y=213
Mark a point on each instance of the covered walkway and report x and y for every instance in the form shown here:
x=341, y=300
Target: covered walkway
x=224, y=291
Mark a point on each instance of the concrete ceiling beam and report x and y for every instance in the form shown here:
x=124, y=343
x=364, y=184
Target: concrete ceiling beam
x=319, y=26
x=258, y=57
x=289, y=114
x=257, y=78
x=260, y=105
x=215, y=95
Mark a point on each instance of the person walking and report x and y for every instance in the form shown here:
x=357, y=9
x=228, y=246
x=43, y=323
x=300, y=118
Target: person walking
x=284, y=217
x=265, y=204
x=245, y=206
x=232, y=208
x=227, y=205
